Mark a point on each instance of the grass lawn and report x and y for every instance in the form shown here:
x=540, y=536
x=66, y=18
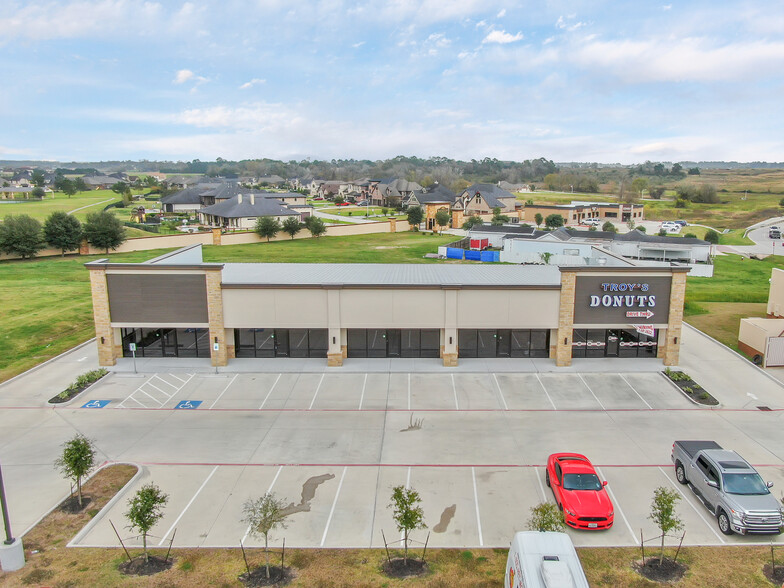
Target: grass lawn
x=738, y=289
x=371, y=211
x=47, y=307
x=40, y=209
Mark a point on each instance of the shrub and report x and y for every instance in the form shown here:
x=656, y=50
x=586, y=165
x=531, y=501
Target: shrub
x=712, y=236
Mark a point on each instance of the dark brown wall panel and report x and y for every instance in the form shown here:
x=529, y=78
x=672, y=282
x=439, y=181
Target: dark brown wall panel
x=622, y=299
x=158, y=298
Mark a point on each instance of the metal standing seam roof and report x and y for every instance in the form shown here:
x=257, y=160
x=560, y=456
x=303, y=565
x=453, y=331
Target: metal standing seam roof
x=389, y=275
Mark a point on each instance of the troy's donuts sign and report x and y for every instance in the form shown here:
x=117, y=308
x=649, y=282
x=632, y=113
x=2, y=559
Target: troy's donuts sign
x=633, y=297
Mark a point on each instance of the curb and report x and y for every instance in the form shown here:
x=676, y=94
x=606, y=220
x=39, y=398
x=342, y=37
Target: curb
x=686, y=396
x=50, y=404
x=94, y=521
x=48, y=512
x=50, y=360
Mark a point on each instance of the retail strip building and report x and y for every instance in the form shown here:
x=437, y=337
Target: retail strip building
x=178, y=306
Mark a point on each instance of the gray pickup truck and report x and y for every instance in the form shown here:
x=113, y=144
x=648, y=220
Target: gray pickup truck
x=728, y=486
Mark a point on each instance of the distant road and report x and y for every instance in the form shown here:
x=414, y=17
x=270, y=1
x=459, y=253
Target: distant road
x=89, y=205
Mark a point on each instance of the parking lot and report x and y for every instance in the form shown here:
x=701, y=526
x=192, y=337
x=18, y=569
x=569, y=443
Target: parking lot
x=333, y=445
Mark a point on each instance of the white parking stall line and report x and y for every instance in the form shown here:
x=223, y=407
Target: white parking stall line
x=409, y=391
x=500, y=393
x=312, y=402
x=275, y=383
x=697, y=510
x=150, y=397
x=130, y=396
x=541, y=486
x=476, y=503
x=635, y=391
x=591, y=391
x=134, y=399
x=617, y=507
x=275, y=479
x=454, y=391
x=545, y=391
x=176, y=378
x=334, y=503
x=224, y=390
x=166, y=381
x=187, y=506
x=168, y=396
x=362, y=397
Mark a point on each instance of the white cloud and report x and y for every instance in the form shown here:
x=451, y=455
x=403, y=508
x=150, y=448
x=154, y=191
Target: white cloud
x=655, y=60
x=502, y=37
x=183, y=76
x=358, y=45
x=501, y=14
x=564, y=23
x=79, y=19
x=667, y=7
x=253, y=82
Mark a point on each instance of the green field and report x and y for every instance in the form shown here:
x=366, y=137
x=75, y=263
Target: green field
x=95, y=201
x=47, y=307
x=373, y=212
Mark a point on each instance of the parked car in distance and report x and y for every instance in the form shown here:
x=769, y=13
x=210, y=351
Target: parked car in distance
x=363, y=203
x=579, y=492
x=682, y=223
x=774, y=232
x=543, y=559
x=591, y=221
x=317, y=198
x=728, y=486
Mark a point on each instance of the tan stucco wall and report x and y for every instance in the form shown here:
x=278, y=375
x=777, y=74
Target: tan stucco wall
x=776, y=293
x=290, y=308
x=508, y=309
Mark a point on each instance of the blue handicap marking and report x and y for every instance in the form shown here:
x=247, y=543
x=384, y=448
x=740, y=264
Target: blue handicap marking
x=188, y=404
x=96, y=404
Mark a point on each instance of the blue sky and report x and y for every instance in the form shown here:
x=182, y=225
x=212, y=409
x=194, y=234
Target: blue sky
x=566, y=80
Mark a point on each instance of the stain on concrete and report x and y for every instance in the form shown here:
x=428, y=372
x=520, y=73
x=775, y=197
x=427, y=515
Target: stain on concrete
x=413, y=424
x=308, y=493
x=446, y=518
x=485, y=476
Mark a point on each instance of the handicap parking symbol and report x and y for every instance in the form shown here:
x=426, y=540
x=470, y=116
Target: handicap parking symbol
x=96, y=404
x=188, y=404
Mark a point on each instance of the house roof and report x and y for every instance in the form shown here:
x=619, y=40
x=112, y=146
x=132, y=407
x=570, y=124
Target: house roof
x=234, y=208
x=98, y=180
x=491, y=194
x=186, y=196
x=436, y=193
x=412, y=275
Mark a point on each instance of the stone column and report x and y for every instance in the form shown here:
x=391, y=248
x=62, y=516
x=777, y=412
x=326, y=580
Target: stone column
x=393, y=225
x=216, y=236
x=104, y=334
x=675, y=320
x=84, y=247
x=563, y=347
x=457, y=219
x=215, y=317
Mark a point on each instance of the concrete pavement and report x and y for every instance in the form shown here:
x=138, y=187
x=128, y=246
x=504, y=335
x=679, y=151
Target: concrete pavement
x=334, y=442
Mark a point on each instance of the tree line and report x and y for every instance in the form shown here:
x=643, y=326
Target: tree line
x=24, y=236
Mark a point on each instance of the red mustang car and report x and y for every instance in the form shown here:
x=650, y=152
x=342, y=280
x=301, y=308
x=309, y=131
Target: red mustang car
x=578, y=491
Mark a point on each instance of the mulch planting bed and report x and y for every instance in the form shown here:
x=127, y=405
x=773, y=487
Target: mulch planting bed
x=138, y=566
x=71, y=504
x=398, y=568
x=776, y=576
x=278, y=577
x=691, y=388
x=669, y=571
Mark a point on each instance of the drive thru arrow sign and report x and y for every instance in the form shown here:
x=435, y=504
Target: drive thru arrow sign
x=639, y=314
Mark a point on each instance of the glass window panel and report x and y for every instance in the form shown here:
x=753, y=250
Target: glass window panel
x=202, y=337
x=540, y=343
x=318, y=342
x=264, y=342
x=357, y=343
x=129, y=336
x=579, y=343
x=627, y=343
x=150, y=343
x=186, y=343
x=466, y=341
x=298, y=342
x=409, y=343
x=595, y=343
x=521, y=343
x=429, y=343
x=376, y=343
x=486, y=343
x=244, y=343
x=647, y=346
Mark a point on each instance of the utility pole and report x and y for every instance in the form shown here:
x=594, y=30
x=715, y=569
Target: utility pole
x=11, y=551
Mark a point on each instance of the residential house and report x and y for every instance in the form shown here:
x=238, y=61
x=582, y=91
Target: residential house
x=243, y=210
x=514, y=187
x=391, y=192
x=435, y=198
x=484, y=198
x=577, y=212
